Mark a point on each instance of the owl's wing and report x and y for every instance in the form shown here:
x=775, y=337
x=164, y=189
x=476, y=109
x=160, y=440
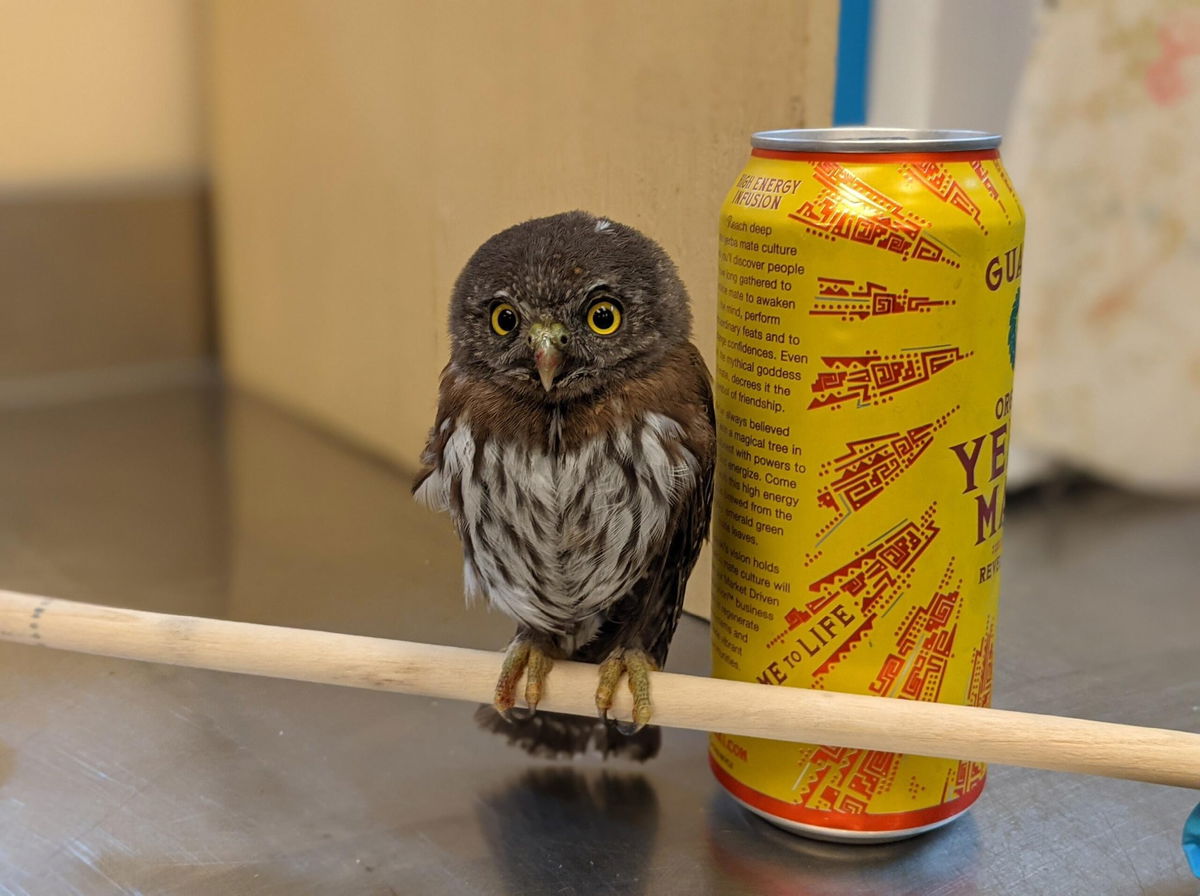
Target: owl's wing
x=646, y=617
x=426, y=487
x=690, y=531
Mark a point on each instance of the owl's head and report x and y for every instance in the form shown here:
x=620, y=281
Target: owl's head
x=562, y=307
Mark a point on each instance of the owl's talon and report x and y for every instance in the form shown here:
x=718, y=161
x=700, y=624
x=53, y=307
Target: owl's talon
x=629, y=728
x=515, y=660
x=538, y=667
x=611, y=671
x=522, y=658
x=638, y=665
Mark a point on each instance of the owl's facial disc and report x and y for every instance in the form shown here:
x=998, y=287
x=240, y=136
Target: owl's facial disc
x=547, y=341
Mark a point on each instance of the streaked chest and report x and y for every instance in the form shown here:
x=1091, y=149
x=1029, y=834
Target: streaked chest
x=555, y=537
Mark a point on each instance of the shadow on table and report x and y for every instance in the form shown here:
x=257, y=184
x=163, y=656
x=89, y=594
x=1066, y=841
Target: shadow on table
x=566, y=830
x=749, y=855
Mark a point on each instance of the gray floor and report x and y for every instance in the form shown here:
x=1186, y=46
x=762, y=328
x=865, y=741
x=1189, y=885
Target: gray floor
x=118, y=777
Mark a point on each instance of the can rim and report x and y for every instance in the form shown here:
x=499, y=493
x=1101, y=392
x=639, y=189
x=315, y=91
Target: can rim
x=873, y=140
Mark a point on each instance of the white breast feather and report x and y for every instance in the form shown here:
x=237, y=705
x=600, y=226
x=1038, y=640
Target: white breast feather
x=575, y=575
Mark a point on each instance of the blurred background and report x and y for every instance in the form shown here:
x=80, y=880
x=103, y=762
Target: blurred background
x=228, y=232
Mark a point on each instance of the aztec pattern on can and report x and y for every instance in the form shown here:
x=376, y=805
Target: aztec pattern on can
x=868, y=292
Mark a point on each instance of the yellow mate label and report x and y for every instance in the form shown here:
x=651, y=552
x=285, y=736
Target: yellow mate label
x=865, y=347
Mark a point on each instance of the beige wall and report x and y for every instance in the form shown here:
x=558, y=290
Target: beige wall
x=102, y=214
x=362, y=150
x=98, y=91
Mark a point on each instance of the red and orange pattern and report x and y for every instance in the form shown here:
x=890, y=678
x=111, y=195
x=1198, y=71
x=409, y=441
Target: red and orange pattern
x=871, y=378
x=850, y=300
x=849, y=208
x=869, y=466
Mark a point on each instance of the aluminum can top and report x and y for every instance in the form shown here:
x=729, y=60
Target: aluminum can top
x=873, y=140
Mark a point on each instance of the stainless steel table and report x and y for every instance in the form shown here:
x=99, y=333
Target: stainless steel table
x=121, y=778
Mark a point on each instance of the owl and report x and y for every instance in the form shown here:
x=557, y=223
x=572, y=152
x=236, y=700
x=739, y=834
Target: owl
x=573, y=448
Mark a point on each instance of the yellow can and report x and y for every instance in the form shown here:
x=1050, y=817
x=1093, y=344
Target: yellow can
x=868, y=290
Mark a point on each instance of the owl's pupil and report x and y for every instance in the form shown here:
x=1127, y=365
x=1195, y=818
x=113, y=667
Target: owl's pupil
x=603, y=318
x=506, y=318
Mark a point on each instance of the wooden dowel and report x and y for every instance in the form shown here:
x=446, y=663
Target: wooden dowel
x=681, y=701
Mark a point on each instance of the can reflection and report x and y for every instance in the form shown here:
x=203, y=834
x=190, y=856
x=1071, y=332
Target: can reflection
x=750, y=855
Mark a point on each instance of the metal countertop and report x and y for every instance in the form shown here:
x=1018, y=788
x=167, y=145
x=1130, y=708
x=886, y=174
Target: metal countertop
x=120, y=778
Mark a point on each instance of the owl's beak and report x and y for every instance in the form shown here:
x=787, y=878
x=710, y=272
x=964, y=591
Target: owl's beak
x=547, y=341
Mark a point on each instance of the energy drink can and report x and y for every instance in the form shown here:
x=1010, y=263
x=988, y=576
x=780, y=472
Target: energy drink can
x=868, y=290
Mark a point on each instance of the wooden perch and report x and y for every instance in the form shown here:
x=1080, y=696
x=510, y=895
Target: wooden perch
x=682, y=701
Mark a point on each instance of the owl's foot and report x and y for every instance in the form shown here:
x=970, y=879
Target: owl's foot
x=638, y=665
x=522, y=656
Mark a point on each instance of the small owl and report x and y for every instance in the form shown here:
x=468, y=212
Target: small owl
x=573, y=448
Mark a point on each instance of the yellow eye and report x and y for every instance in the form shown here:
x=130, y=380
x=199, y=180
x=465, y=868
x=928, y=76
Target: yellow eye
x=604, y=318
x=504, y=319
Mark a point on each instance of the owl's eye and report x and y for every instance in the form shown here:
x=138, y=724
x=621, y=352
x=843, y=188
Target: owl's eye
x=504, y=319
x=604, y=317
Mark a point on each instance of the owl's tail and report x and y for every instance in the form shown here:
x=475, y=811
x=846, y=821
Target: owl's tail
x=553, y=735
